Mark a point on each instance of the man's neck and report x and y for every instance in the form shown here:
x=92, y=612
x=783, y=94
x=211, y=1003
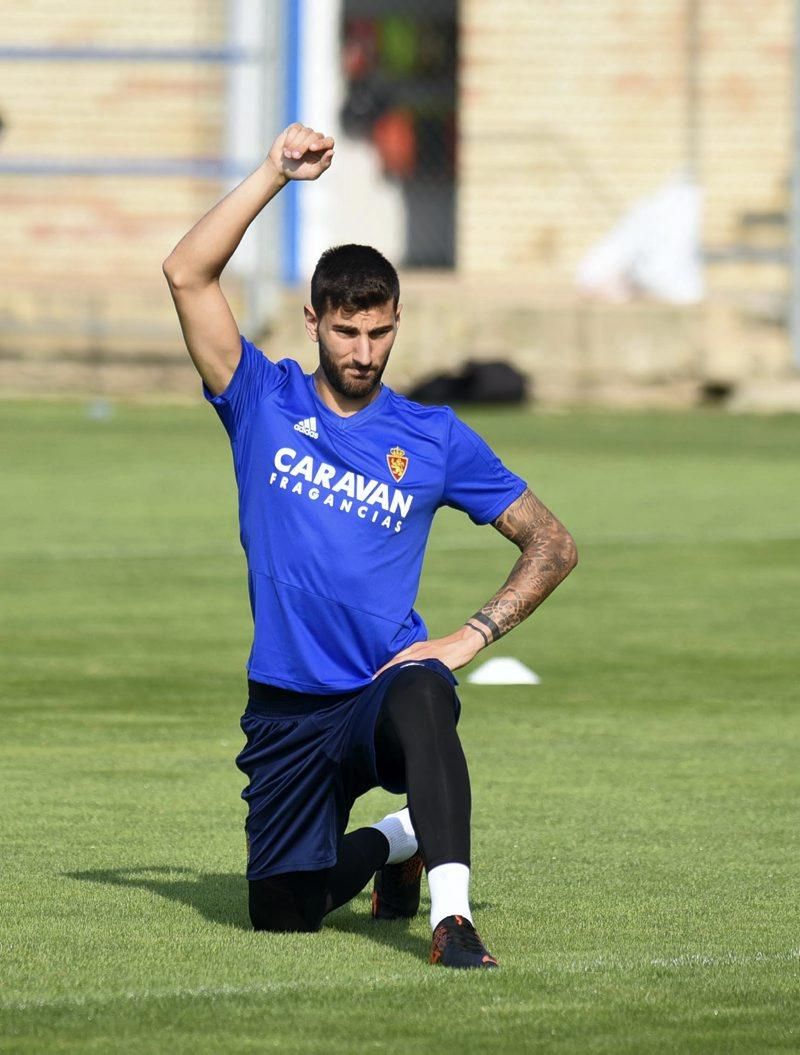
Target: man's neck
x=344, y=406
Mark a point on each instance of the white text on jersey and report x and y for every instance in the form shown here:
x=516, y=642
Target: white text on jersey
x=353, y=485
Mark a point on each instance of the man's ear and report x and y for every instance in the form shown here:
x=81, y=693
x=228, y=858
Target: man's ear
x=397, y=314
x=312, y=323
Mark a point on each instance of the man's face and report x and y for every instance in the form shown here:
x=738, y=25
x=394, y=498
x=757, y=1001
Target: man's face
x=354, y=349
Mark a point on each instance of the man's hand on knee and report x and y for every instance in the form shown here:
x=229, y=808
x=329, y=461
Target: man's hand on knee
x=455, y=650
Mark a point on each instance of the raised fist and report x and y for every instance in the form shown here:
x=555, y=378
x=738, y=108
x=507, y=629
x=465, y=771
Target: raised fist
x=301, y=153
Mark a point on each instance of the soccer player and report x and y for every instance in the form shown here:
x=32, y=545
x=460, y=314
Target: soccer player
x=339, y=478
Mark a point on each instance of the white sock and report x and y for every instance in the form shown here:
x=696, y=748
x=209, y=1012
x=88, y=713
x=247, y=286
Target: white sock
x=449, y=889
x=399, y=831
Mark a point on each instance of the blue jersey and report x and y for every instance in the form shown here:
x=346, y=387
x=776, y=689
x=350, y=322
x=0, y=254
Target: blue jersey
x=334, y=517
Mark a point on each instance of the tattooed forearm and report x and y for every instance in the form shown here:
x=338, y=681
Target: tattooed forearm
x=548, y=556
x=523, y=518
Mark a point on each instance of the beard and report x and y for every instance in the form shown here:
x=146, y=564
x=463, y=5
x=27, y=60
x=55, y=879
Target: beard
x=347, y=379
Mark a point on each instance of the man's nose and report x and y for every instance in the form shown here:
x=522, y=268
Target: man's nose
x=362, y=354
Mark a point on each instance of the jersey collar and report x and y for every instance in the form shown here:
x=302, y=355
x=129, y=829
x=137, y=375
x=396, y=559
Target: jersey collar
x=336, y=420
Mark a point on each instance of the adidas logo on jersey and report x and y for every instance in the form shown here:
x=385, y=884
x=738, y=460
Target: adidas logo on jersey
x=308, y=426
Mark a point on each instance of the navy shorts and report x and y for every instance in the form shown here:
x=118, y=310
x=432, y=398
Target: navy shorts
x=308, y=759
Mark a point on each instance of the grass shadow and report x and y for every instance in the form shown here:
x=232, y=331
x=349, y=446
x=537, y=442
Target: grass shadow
x=395, y=933
x=220, y=897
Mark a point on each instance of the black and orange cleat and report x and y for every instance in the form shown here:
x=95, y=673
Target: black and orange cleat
x=456, y=943
x=395, y=894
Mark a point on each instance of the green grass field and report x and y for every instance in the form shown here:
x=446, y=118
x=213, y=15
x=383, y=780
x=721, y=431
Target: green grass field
x=635, y=816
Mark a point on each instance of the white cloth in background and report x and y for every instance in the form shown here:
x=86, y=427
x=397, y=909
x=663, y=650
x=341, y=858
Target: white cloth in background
x=654, y=250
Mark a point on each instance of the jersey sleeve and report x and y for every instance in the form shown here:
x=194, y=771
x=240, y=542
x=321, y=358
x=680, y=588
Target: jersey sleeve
x=476, y=481
x=254, y=377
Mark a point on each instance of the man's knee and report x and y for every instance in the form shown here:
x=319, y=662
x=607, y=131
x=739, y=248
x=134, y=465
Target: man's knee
x=419, y=698
x=419, y=710
x=293, y=901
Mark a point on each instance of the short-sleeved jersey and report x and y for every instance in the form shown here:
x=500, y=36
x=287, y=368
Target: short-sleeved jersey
x=334, y=517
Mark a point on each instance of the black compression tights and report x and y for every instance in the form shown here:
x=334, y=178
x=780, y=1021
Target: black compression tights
x=416, y=743
x=416, y=738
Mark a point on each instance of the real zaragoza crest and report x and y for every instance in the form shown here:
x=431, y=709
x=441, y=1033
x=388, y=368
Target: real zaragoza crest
x=398, y=463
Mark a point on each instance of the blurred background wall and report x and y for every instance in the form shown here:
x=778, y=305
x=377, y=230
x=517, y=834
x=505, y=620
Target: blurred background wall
x=597, y=191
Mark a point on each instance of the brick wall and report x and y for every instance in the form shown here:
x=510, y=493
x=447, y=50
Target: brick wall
x=572, y=110
x=569, y=111
x=82, y=253
x=745, y=130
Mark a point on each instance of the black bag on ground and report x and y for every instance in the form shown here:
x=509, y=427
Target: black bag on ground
x=492, y=382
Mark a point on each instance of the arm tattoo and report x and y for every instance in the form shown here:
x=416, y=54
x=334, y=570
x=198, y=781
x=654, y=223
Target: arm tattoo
x=548, y=556
x=491, y=626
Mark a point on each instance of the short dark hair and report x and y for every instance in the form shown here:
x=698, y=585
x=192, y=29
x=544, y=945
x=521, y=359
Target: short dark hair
x=353, y=277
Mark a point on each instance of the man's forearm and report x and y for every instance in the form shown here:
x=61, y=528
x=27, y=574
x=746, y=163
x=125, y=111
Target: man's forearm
x=548, y=556
x=533, y=578
x=203, y=252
